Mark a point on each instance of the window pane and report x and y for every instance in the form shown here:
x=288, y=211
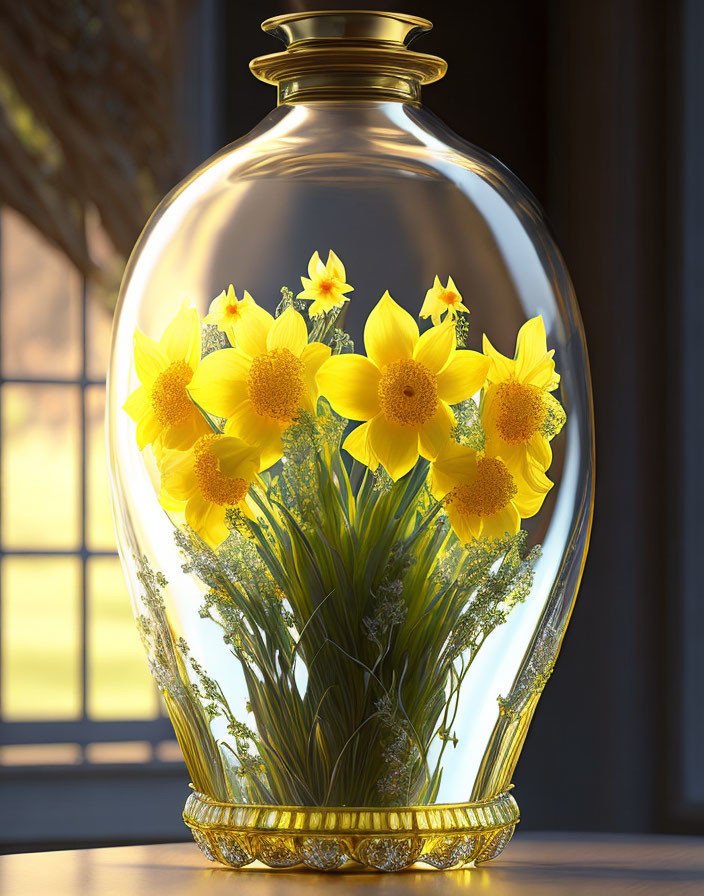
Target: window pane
x=99, y=328
x=124, y=751
x=119, y=683
x=100, y=529
x=41, y=754
x=41, y=304
x=41, y=638
x=41, y=466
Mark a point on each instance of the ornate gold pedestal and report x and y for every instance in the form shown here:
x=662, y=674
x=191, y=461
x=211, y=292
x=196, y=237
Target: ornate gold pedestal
x=327, y=838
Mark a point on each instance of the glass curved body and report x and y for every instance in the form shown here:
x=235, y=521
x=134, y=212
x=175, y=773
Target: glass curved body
x=400, y=199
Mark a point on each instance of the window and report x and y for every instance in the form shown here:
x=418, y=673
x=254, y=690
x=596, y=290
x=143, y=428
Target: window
x=81, y=723
x=70, y=655
x=75, y=690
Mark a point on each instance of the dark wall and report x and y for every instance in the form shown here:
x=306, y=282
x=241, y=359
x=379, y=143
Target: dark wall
x=578, y=97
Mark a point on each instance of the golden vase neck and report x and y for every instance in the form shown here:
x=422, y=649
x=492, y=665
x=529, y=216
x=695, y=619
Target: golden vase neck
x=347, y=54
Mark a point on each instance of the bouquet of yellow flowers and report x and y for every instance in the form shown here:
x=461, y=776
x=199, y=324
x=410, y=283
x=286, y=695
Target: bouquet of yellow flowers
x=356, y=520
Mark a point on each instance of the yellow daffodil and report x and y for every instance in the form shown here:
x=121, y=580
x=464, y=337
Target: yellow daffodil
x=227, y=312
x=519, y=415
x=402, y=389
x=203, y=482
x=325, y=284
x=261, y=385
x=161, y=407
x=440, y=299
x=482, y=496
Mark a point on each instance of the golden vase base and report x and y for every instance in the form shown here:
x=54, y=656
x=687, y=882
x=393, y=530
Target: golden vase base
x=323, y=838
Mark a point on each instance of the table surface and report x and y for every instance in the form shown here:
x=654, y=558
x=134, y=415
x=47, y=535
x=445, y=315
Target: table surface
x=532, y=864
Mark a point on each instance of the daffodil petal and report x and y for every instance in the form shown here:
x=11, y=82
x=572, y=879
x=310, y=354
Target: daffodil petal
x=396, y=447
x=335, y=267
x=177, y=476
x=350, y=383
x=466, y=526
x=148, y=428
x=207, y=519
x=531, y=347
x=314, y=355
x=288, y=331
x=181, y=339
x=505, y=521
x=236, y=458
x=169, y=503
x=261, y=432
x=463, y=377
x=456, y=464
x=220, y=381
x=435, y=433
x=501, y=368
x=357, y=444
x=390, y=333
x=539, y=451
x=218, y=304
x=138, y=403
x=183, y=435
x=543, y=375
x=436, y=347
x=531, y=491
x=313, y=265
x=149, y=359
x=251, y=332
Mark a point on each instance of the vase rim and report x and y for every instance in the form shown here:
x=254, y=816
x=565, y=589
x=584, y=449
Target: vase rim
x=347, y=54
x=365, y=25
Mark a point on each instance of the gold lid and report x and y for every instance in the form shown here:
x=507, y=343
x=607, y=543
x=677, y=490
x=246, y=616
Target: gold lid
x=347, y=54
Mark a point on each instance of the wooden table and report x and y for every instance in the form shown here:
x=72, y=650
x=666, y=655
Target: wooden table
x=532, y=865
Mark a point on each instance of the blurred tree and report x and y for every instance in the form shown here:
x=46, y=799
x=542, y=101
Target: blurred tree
x=86, y=116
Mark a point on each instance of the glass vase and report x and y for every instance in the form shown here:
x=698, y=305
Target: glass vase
x=351, y=453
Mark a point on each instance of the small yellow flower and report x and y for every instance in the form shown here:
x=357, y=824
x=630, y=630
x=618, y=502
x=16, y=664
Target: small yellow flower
x=439, y=299
x=403, y=389
x=227, y=312
x=519, y=415
x=203, y=482
x=161, y=407
x=482, y=497
x=325, y=284
x=261, y=385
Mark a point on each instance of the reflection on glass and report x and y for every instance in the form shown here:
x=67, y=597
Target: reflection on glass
x=41, y=656
x=40, y=466
x=119, y=686
x=41, y=305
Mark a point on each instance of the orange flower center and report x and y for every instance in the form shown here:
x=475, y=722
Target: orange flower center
x=449, y=297
x=276, y=384
x=326, y=286
x=488, y=493
x=214, y=485
x=233, y=309
x=170, y=399
x=520, y=411
x=408, y=393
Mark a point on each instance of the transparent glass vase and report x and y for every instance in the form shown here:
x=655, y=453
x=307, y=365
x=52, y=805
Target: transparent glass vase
x=351, y=453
